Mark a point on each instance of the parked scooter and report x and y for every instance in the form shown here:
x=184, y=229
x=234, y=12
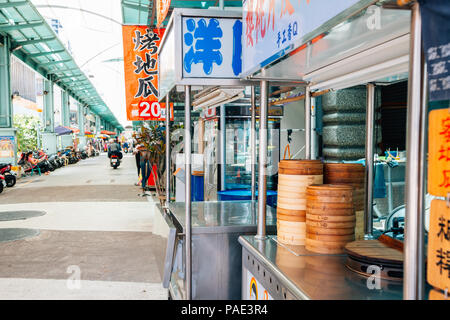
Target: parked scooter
x=53, y=162
x=2, y=183
x=29, y=166
x=5, y=171
x=42, y=157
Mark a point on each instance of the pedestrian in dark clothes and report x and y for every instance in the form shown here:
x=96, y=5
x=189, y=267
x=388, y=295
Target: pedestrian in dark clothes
x=137, y=156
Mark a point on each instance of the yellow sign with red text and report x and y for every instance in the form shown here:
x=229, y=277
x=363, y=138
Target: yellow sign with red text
x=140, y=44
x=439, y=153
x=438, y=267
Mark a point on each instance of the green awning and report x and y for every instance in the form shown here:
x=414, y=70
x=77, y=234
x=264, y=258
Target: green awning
x=37, y=45
x=141, y=12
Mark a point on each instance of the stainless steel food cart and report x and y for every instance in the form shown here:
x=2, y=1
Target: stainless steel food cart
x=216, y=253
x=202, y=256
x=365, y=43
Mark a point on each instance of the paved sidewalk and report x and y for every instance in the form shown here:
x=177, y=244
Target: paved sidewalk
x=95, y=240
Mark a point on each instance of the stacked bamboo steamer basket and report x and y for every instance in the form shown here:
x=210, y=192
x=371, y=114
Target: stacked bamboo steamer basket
x=352, y=174
x=330, y=218
x=294, y=176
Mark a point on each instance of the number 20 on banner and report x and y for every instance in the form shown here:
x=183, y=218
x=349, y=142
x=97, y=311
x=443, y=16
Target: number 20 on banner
x=152, y=111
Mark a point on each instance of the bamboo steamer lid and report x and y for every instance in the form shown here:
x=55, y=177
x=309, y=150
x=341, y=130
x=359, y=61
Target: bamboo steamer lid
x=300, y=167
x=330, y=211
x=347, y=173
x=354, y=177
x=329, y=190
x=331, y=218
x=344, y=198
x=327, y=206
x=331, y=225
x=329, y=231
x=344, y=167
x=332, y=238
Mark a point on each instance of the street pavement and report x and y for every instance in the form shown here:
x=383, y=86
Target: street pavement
x=95, y=239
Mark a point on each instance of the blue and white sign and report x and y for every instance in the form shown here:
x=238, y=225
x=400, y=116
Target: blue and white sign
x=212, y=47
x=273, y=28
x=436, y=43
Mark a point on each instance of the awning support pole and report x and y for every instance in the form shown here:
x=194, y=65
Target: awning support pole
x=262, y=178
x=253, y=142
x=308, y=123
x=167, y=151
x=414, y=176
x=187, y=168
x=369, y=169
x=223, y=149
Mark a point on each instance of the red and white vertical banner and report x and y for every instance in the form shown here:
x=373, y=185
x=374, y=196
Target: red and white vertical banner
x=140, y=45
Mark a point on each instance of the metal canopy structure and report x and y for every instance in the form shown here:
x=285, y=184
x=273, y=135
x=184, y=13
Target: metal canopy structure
x=35, y=43
x=142, y=12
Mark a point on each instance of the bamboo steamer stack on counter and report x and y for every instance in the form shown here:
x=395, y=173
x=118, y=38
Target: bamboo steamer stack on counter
x=352, y=174
x=330, y=218
x=294, y=176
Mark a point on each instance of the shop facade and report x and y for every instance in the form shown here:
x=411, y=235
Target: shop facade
x=356, y=70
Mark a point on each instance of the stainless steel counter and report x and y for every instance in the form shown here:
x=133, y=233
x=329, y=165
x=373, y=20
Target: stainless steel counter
x=292, y=272
x=222, y=216
x=216, y=252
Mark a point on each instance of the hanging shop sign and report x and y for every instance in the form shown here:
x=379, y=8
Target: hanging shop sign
x=439, y=153
x=201, y=48
x=273, y=28
x=140, y=45
x=438, y=269
x=436, y=42
x=162, y=9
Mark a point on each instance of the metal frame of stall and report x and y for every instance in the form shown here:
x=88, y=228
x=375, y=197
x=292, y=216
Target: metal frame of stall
x=416, y=134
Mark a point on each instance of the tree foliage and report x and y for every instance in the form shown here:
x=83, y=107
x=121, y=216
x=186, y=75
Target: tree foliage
x=27, y=135
x=152, y=137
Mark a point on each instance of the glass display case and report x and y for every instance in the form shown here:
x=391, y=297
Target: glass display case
x=238, y=153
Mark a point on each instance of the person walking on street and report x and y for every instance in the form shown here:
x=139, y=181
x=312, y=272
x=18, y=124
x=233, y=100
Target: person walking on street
x=137, y=156
x=146, y=168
